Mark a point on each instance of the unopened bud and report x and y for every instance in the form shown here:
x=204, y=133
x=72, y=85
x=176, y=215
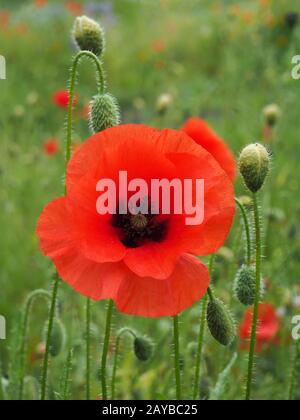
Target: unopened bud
x=143, y=348
x=254, y=166
x=272, y=114
x=291, y=19
x=104, y=112
x=88, y=35
x=245, y=285
x=220, y=322
x=163, y=103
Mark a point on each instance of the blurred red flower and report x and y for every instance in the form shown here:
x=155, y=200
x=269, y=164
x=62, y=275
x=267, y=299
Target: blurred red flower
x=199, y=131
x=61, y=99
x=150, y=268
x=268, y=325
x=51, y=147
x=158, y=45
x=40, y=3
x=4, y=18
x=74, y=8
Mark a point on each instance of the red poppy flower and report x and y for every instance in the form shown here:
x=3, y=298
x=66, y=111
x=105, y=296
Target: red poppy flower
x=199, y=131
x=147, y=265
x=61, y=99
x=40, y=3
x=51, y=147
x=268, y=325
x=74, y=8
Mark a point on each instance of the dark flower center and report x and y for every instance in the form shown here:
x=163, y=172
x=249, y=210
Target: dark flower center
x=136, y=230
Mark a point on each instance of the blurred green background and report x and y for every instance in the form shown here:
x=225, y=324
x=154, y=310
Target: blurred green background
x=221, y=60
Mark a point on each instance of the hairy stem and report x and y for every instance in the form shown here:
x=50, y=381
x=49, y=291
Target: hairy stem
x=177, y=357
x=201, y=336
x=100, y=85
x=294, y=371
x=257, y=298
x=105, y=348
x=49, y=335
x=27, y=309
x=114, y=374
x=88, y=349
x=247, y=230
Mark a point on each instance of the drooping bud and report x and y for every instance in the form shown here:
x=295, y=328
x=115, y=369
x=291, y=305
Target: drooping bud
x=245, y=285
x=88, y=35
x=220, y=322
x=58, y=338
x=104, y=112
x=271, y=114
x=254, y=166
x=143, y=348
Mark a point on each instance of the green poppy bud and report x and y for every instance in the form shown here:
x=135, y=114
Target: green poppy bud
x=143, y=348
x=271, y=114
x=245, y=285
x=254, y=166
x=220, y=322
x=104, y=112
x=88, y=35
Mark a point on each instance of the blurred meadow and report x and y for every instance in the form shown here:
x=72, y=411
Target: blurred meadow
x=222, y=60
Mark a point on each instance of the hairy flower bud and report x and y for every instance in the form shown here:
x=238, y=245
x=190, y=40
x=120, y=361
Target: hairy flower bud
x=143, y=348
x=88, y=35
x=245, y=285
x=104, y=112
x=220, y=322
x=254, y=166
x=271, y=114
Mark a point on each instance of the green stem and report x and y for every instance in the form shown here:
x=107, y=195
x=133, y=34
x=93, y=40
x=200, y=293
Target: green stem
x=201, y=334
x=294, y=371
x=48, y=340
x=68, y=370
x=119, y=336
x=100, y=85
x=105, y=348
x=247, y=230
x=177, y=357
x=88, y=349
x=2, y=394
x=257, y=298
x=27, y=309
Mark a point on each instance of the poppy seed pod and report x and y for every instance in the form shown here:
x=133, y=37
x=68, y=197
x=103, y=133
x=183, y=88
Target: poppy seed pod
x=271, y=114
x=245, y=285
x=220, y=322
x=254, y=166
x=88, y=35
x=104, y=112
x=143, y=348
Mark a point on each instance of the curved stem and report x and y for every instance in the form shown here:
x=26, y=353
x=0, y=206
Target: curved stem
x=247, y=230
x=105, y=348
x=257, y=298
x=114, y=374
x=28, y=305
x=88, y=349
x=294, y=371
x=100, y=85
x=177, y=357
x=48, y=340
x=201, y=334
